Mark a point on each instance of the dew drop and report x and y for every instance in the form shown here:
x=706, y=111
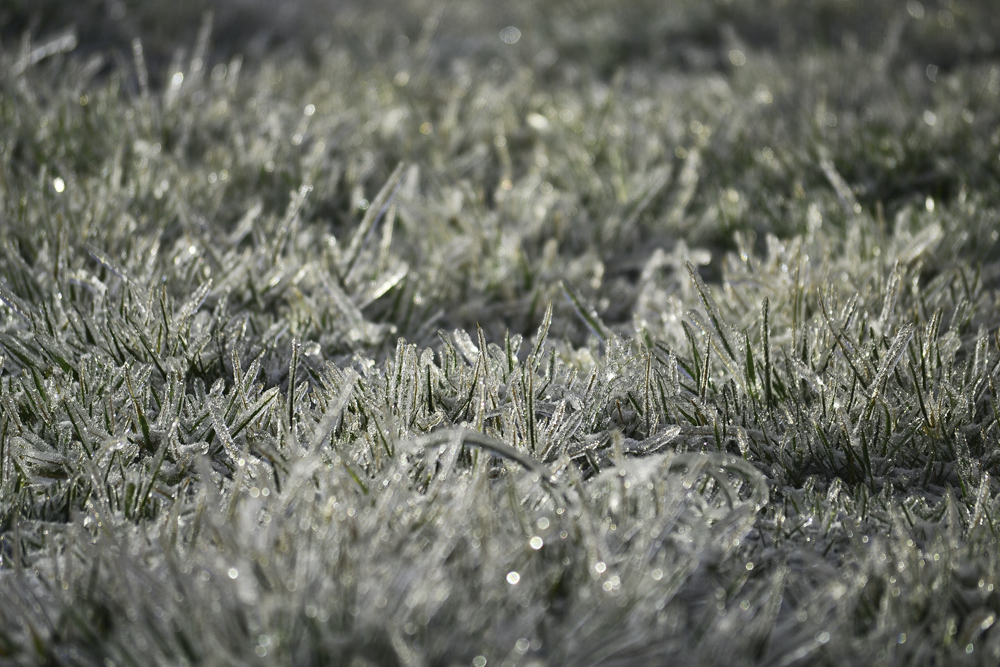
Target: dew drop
x=510, y=35
x=537, y=121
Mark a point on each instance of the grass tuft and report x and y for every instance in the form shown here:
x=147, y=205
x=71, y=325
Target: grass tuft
x=415, y=333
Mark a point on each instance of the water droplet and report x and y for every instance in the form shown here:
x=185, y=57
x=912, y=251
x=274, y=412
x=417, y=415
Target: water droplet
x=537, y=121
x=58, y=184
x=512, y=579
x=510, y=35
x=536, y=542
x=233, y=573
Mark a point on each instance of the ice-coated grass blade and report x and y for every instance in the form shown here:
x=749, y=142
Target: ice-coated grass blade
x=711, y=309
x=585, y=312
x=376, y=210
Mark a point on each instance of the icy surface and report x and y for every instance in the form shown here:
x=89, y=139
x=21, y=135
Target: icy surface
x=556, y=333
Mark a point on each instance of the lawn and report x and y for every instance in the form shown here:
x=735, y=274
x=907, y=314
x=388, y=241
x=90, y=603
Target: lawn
x=563, y=333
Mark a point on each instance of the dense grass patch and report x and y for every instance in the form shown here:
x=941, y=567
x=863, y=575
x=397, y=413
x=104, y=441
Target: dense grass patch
x=564, y=333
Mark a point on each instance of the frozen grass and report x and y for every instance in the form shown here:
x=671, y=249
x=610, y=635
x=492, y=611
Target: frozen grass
x=362, y=336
